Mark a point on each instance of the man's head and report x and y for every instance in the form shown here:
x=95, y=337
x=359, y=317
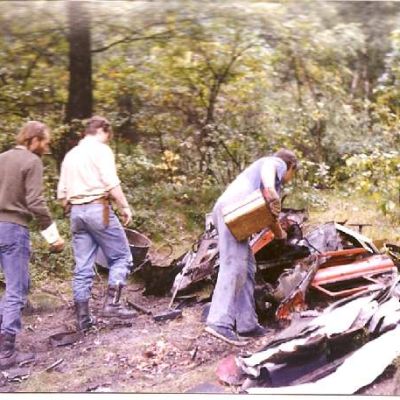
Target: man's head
x=35, y=136
x=100, y=127
x=291, y=163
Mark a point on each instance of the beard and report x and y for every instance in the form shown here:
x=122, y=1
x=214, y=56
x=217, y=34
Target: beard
x=38, y=152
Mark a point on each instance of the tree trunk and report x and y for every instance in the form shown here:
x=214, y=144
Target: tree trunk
x=80, y=97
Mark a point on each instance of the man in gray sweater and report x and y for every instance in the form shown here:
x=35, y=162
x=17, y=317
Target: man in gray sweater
x=21, y=176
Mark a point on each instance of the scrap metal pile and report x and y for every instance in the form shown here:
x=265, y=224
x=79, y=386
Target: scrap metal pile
x=330, y=259
x=330, y=294
x=339, y=351
x=333, y=293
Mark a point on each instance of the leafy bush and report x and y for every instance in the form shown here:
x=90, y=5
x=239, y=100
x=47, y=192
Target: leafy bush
x=377, y=176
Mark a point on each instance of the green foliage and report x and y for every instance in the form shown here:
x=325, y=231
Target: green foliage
x=198, y=90
x=48, y=266
x=375, y=175
x=165, y=203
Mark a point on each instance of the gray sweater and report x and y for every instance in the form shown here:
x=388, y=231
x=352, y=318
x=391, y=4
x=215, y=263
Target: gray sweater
x=21, y=187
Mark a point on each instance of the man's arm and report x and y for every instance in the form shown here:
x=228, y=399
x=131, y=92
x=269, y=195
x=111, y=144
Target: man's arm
x=108, y=173
x=62, y=191
x=268, y=176
x=62, y=187
x=34, y=194
x=118, y=195
x=38, y=207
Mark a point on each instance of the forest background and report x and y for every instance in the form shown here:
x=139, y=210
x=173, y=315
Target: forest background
x=196, y=91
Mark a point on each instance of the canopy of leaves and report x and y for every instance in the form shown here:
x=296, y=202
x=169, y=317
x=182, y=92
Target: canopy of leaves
x=198, y=90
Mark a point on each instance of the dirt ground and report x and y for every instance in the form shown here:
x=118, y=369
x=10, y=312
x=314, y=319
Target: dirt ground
x=143, y=356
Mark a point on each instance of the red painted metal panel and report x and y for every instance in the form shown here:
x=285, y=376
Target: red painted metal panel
x=261, y=242
x=369, y=266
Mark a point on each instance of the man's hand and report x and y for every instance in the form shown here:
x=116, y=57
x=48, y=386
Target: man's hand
x=58, y=246
x=275, y=207
x=277, y=230
x=126, y=215
x=273, y=201
x=66, y=205
x=63, y=202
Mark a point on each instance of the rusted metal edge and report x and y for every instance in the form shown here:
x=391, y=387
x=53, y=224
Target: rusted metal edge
x=369, y=266
x=295, y=301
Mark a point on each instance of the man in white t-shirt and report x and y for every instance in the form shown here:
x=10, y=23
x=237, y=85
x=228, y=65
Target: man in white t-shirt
x=88, y=181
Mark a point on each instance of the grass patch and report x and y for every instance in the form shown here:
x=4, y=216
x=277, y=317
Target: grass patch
x=356, y=210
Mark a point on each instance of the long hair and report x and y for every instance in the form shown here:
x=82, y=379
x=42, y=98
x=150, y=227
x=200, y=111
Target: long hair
x=31, y=130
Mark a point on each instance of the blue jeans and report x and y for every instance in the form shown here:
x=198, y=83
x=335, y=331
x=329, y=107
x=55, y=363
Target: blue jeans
x=14, y=260
x=233, y=304
x=88, y=234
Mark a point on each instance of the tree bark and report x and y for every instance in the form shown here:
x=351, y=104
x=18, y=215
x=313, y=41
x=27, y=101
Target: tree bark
x=80, y=97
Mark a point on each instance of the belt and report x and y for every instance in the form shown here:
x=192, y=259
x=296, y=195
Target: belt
x=106, y=209
x=101, y=200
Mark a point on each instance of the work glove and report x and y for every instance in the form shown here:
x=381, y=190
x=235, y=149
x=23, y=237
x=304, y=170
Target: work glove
x=273, y=201
x=53, y=238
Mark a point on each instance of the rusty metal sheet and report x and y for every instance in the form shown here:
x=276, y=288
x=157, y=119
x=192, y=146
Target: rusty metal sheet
x=343, y=381
x=358, y=238
x=322, y=238
x=346, y=252
x=341, y=289
x=229, y=372
x=296, y=300
x=289, y=219
x=199, y=264
x=354, y=277
x=265, y=237
x=337, y=322
x=369, y=266
x=387, y=315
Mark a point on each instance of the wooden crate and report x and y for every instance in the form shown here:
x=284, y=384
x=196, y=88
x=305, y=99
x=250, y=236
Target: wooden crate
x=248, y=216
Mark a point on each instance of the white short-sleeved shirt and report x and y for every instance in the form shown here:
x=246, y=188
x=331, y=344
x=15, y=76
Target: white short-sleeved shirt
x=88, y=172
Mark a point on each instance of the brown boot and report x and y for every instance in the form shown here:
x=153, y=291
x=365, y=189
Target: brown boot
x=84, y=320
x=112, y=304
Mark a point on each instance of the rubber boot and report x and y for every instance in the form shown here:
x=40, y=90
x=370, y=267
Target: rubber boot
x=8, y=354
x=84, y=320
x=112, y=304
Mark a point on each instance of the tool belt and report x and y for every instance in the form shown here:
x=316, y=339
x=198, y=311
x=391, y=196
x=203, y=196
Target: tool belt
x=105, y=200
x=106, y=208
